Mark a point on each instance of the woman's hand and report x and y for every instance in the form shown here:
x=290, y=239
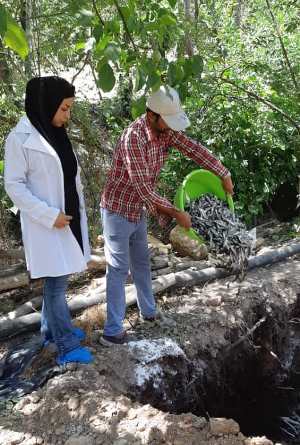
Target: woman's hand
x=62, y=220
x=227, y=184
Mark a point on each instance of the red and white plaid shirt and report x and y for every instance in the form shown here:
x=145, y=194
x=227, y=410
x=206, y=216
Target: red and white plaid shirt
x=138, y=159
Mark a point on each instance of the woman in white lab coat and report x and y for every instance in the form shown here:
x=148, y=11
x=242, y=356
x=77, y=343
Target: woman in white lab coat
x=42, y=179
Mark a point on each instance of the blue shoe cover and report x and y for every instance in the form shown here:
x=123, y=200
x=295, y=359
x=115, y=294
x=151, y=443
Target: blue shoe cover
x=78, y=355
x=79, y=333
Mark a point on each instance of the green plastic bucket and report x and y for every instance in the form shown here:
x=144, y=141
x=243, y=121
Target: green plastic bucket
x=198, y=183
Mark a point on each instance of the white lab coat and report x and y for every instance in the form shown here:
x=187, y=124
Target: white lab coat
x=34, y=181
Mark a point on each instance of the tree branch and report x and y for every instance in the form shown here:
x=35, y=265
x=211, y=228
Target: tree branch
x=266, y=102
x=95, y=80
x=283, y=48
x=125, y=24
x=46, y=16
x=85, y=62
x=98, y=13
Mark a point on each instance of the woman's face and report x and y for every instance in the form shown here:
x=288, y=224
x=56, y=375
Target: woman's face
x=62, y=114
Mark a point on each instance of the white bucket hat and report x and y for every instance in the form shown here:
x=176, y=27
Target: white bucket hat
x=165, y=102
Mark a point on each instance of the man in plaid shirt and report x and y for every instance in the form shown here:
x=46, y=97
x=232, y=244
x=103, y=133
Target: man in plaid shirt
x=130, y=189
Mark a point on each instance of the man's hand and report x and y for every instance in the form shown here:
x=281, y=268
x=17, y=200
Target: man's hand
x=183, y=219
x=62, y=220
x=227, y=184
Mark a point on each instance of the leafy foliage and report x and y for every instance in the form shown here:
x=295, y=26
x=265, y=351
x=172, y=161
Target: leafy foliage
x=13, y=35
x=240, y=83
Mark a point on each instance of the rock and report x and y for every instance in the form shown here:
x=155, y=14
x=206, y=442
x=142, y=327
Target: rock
x=153, y=435
x=186, y=246
x=220, y=426
x=132, y=414
x=35, y=397
x=179, y=441
x=260, y=242
x=60, y=430
x=156, y=245
x=8, y=437
x=30, y=441
x=258, y=441
x=121, y=442
x=196, y=295
x=29, y=409
x=200, y=423
x=73, y=403
x=100, y=240
x=214, y=301
x=21, y=404
x=80, y=440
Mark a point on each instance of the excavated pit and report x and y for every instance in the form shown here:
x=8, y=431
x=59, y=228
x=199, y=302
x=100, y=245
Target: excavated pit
x=254, y=379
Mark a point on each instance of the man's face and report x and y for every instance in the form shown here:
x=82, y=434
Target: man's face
x=157, y=123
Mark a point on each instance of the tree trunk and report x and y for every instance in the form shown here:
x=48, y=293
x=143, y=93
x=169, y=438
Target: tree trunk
x=4, y=68
x=238, y=13
x=11, y=282
x=26, y=18
x=188, y=41
x=196, y=10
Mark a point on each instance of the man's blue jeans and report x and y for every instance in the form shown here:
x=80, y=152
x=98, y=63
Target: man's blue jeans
x=126, y=247
x=56, y=322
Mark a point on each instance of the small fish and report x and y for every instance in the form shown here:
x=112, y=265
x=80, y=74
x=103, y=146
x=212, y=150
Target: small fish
x=222, y=229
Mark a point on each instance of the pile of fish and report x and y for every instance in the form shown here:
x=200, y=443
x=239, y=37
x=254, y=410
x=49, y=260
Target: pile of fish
x=222, y=230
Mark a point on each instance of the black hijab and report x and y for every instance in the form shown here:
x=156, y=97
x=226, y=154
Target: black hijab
x=43, y=97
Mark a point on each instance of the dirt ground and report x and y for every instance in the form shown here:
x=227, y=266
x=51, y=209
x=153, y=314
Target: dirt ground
x=167, y=387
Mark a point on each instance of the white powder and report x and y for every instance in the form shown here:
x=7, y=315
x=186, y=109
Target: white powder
x=146, y=352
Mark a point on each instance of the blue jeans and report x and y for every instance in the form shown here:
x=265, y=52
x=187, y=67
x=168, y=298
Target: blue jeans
x=126, y=247
x=56, y=322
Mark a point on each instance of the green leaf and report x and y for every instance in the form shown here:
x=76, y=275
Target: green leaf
x=182, y=91
x=126, y=12
x=188, y=68
x=112, y=26
x=106, y=80
x=172, y=3
x=140, y=80
x=132, y=6
x=1, y=167
x=102, y=44
x=147, y=66
x=197, y=64
x=85, y=17
x=15, y=38
x=175, y=73
x=153, y=80
x=168, y=20
x=80, y=45
x=3, y=21
x=86, y=12
x=98, y=31
x=138, y=107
